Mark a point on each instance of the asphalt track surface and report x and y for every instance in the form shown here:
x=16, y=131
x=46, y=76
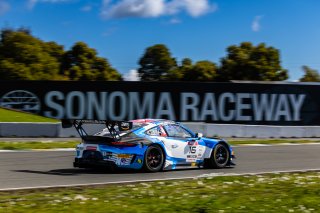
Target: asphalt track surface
x=54, y=168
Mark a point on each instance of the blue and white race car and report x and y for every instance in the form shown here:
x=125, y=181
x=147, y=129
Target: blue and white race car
x=149, y=144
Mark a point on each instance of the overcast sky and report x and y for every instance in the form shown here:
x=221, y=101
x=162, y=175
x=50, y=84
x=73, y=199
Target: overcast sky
x=120, y=30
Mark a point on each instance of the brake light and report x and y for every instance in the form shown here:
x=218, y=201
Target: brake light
x=119, y=143
x=91, y=148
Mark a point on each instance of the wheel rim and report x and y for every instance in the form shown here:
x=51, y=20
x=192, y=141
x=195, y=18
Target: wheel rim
x=154, y=158
x=221, y=156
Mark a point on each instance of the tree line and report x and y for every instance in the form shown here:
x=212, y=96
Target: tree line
x=25, y=57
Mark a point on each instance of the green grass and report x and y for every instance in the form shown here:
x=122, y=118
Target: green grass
x=25, y=145
x=15, y=116
x=296, y=192
x=270, y=141
x=37, y=145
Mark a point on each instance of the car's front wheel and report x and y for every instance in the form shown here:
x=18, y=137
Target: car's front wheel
x=219, y=157
x=153, y=159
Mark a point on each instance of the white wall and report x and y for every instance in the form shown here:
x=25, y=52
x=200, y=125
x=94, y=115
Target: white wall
x=255, y=131
x=26, y=129
x=221, y=130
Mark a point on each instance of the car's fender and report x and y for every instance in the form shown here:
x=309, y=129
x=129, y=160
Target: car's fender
x=211, y=143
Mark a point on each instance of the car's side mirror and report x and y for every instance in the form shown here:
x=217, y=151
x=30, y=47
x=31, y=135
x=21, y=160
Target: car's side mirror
x=199, y=135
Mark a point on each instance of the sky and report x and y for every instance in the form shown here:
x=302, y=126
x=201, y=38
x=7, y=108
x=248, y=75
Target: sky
x=121, y=30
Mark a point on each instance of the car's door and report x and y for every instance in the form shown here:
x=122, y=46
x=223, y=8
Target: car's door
x=183, y=144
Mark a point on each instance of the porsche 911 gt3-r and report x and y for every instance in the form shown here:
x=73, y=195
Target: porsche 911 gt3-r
x=149, y=144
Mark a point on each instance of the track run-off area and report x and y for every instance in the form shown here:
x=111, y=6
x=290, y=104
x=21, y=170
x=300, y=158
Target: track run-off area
x=42, y=169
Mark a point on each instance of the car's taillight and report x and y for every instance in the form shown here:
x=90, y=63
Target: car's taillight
x=91, y=148
x=119, y=143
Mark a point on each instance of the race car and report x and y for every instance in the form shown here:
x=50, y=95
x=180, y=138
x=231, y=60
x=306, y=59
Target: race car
x=149, y=144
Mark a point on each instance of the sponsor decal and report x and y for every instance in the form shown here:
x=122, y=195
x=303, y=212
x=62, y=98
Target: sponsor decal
x=193, y=143
x=139, y=161
x=123, y=156
x=119, y=159
x=190, y=160
x=123, y=161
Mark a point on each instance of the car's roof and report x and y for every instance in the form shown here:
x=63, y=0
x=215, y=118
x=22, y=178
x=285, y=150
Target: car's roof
x=153, y=121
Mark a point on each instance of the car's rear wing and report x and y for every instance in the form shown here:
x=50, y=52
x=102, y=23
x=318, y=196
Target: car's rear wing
x=110, y=125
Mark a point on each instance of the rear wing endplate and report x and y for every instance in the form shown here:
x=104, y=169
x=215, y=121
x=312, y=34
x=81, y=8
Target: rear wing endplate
x=110, y=125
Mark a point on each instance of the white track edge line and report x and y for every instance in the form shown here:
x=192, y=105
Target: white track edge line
x=277, y=144
x=239, y=145
x=166, y=179
x=39, y=150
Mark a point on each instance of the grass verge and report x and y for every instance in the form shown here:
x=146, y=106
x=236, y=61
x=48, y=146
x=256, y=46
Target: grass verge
x=37, y=145
x=25, y=145
x=7, y=115
x=271, y=141
x=288, y=192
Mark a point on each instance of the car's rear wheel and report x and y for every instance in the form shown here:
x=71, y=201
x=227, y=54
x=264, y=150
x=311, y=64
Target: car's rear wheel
x=153, y=159
x=219, y=157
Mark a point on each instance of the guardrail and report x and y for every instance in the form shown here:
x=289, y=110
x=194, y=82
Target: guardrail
x=29, y=129
x=255, y=131
x=25, y=129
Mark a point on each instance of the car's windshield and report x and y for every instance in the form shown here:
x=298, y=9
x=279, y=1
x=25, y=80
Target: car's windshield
x=105, y=132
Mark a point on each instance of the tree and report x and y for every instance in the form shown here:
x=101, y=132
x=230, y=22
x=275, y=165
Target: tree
x=177, y=73
x=310, y=75
x=24, y=57
x=187, y=71
x=201, y=71
x=156, y=63
x=248, y=62
x=82, y=63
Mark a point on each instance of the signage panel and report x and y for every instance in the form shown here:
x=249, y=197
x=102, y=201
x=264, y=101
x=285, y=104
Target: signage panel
x=243, y=103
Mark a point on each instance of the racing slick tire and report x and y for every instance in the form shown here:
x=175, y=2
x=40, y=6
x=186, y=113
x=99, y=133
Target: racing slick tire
x=153, y=159
x=219, y=157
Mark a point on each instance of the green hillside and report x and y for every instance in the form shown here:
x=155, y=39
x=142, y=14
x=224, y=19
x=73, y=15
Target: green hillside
x=15, y=116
